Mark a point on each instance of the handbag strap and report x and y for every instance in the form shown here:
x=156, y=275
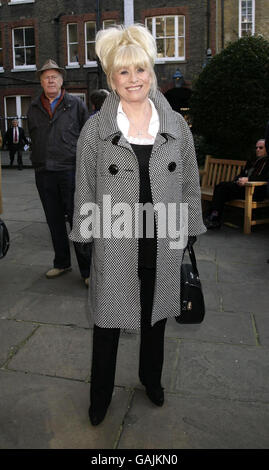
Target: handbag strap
x=189, y=246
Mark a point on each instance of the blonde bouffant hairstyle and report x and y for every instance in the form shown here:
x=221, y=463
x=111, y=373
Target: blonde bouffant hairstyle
x=121, y=46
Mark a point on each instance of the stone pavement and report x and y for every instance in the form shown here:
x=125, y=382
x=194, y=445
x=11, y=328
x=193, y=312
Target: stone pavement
x=215, y=374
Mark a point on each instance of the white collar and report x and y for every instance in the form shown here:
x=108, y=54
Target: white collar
x=123, y=124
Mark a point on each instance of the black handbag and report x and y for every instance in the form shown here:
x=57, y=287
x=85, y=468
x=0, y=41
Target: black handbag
x=192, y=298
x=4, y=239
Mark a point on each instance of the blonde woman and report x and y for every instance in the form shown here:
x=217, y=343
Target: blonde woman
x=135, y=150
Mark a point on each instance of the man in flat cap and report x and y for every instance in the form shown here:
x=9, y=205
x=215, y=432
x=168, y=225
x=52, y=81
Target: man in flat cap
x=55, y=120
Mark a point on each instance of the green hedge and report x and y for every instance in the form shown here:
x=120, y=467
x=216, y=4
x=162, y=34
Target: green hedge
x=230, y=100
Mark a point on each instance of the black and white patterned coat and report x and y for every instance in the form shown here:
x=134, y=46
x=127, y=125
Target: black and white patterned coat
x=107, y=165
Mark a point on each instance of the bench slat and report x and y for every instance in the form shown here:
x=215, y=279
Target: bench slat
x=217, y=170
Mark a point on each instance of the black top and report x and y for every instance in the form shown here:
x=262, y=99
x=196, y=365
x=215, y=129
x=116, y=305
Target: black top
x=147, y=246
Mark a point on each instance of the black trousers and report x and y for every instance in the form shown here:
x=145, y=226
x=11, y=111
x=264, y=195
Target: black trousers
x=56, y=190
x=227, y=191
x=12, y=152
x=105, y=347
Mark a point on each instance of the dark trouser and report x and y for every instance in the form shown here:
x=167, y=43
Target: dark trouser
x=105, y=346
x=227, y=191
x=56, y=190
x=12, y=153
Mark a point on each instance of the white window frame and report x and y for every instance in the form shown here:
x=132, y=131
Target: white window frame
x=16, y=2
x=109, y=20
x=82, y=96
x=92, y=63
x=24, y=67
x=176, y=57
x=71, y=64
x=1, y=67
x=18, y=109
x=240, y=17
x=88, y=63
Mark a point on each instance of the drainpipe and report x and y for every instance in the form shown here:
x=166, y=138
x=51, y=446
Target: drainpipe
x=98, y=27
x=57, y=36
x=222, y=24
x=208, y=15
x=128, y=12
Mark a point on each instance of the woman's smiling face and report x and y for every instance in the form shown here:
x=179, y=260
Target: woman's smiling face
x=132, y=83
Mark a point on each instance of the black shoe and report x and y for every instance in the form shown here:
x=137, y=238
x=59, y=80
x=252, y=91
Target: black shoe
x=156, y=395
x=212, y=223
x=97, y=415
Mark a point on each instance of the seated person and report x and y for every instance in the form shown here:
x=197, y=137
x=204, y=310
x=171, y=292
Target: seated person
x=227, y=191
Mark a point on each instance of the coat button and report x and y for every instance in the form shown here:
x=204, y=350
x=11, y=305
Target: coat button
x=113, y=169
x=172, y=166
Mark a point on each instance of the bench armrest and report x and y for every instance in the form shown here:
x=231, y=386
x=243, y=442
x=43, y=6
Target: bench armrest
x=256, y=183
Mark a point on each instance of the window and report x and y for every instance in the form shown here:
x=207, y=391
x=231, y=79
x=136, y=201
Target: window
x=23, y=40
x=90, y=32
x=17, y=107
x=82, y=96
x=108, y=23
x=72, y=44
x=1, y=53
x=169, y=32
x=246, y=17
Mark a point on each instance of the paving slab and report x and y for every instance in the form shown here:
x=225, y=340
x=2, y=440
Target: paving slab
x=207, y=270
x=16, y=277
x=70, y=282
x=49, y=413
x=212, y=294
x=56, y=351
x=239, y=273
x=262, y=327
x=223, y=371
x=13, y=333
x=217, y=327
x=51, y=309
x=195, y=423
x=128, y=362
x=249, y=296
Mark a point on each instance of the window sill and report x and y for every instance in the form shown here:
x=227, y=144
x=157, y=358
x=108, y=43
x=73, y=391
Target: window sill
x=75, y=66
x=90, y=64
x=24, y=69
x=170, y=60
x=18, y=2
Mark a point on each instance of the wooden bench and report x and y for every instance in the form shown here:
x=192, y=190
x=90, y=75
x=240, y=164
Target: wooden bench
x=217, y=170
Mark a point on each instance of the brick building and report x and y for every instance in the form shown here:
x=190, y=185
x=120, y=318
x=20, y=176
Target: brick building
x=33, y=30
x=236, y=18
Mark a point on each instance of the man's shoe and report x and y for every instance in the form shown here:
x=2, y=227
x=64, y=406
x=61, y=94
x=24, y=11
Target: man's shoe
x=56, y=272
x=212, y=223
x=156, y=395
x=97, y=415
